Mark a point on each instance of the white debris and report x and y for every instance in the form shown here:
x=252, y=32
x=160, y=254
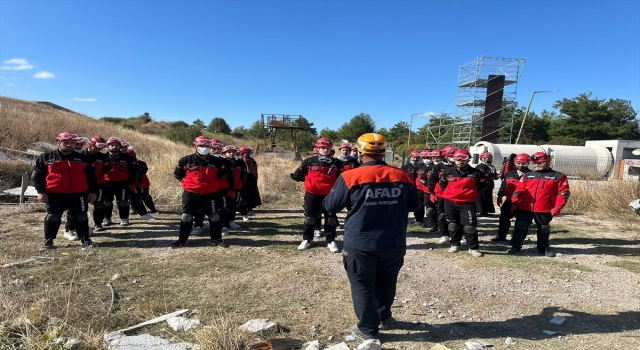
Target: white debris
x=558, y=320
x=119, y=341
x=510, y=341
x=258, y=325
x=471, y=345
x=181, y=324
x=350, y=338
x=371, y=344
x=341, y=346
x=314, y=345
x=72, y=344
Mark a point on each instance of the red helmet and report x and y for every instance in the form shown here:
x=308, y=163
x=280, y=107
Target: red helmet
x=97, y=142
x=486, y=155
x=424, y=154
x=414, y=153
x=66, y=136
x=245, y=150
x=522, y=158
x=131, y=153
x=435, y=153
x=229, y=148
x=449, y=151
x=124, y=144
x=540, y=157
x=216, y=143
x=202, y=141
x=462, y=154
x=314, y=152
x=354, y=148
x=114, y=139
x=345, y=145
x=323, y=142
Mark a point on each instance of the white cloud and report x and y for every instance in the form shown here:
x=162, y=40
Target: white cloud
x=11, y=84
x=44, y=75
x=17, y=64
x=85, y=99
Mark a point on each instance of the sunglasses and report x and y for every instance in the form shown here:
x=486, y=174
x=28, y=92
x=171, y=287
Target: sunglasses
x=461, y=158
x=538, y=159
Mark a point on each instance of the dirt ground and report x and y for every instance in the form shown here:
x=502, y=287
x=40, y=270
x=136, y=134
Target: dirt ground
x=442, y=297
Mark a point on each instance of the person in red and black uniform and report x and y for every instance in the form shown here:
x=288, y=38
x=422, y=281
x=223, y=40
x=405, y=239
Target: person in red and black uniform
x=539, y=195
x=69, y=226
x=65, y=180
x=435, y=192
x=430, y=170
x=349, y=161
x=507, y=187
x=100, y=164
x=144, y=184
x=484, y=204
x=135, y=194
x=319, y=174
x=239, y=170
x=252, y=194
x=120, y=179
x=460, y=185
x=225, y=186
x=199, y=174
x=378, y=198
x=415, y=166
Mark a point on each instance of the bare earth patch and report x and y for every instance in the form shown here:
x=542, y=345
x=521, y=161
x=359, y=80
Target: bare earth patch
x=442, y=297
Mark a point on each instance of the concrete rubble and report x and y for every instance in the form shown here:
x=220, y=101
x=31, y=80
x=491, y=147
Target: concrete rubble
x=181, y=324
x=259, y=325
x=119, y=341
x=371, y=344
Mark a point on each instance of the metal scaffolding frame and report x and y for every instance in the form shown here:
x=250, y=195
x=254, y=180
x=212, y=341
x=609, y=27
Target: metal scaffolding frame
x=279, y=132
x=463, y=126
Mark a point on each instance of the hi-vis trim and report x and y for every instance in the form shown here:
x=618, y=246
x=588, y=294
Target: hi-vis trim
x=375, y=137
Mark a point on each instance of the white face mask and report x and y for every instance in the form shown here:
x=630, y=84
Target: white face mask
x=218, y=155
x=428, y=161
x=203, y=151
x=252, y=156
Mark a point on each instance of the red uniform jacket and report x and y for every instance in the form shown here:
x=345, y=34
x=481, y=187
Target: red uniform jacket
x=461, y=185
x=541, y=191
x=199, y=175
x=319, y=174
x=55, y=172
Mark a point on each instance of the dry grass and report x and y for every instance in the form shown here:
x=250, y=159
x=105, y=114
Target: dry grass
x=603, y=199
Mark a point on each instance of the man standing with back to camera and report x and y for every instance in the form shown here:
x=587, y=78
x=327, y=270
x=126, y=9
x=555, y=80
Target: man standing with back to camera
x=378, y=198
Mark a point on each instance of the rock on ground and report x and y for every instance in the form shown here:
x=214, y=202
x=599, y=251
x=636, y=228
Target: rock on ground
x=258, y=325
x=181, y=324
x=119, y=341
x=313, y=345
x=341, y=346
x=371, y=344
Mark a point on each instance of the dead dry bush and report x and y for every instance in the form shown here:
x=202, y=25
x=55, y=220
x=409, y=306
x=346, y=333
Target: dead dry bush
x=274, y=181
x=10, y=173
x=602, y=199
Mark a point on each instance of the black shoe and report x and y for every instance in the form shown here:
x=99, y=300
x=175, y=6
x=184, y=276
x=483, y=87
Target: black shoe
x=514, y=250
x=434, y=230
x=549, y=253
x=386, y=324
x=358, y=333
x=498, y=239
x=218, y=243
x=88, y=244
x=177, y=244
x=47, y=245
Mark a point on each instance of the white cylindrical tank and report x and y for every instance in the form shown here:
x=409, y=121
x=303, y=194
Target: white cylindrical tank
x=591, y=161
x=501, y=151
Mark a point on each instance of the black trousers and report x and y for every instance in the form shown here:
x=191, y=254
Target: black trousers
x=241, y=202
x=312, y=207
x=461, y=219
x=442, y=217
x=505, y=219
x=431, y=212
x=226, y=210
x=118, y=191
x=98, y=211
x=523, y=220
x=373, y=276
x=419, y=214
x=233, y=205
x=209, y=204
x=137, y=202
x=484, y=204
x=76, y=206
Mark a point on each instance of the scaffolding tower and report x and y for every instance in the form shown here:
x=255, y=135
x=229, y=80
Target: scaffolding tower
x=279, y=132
x=485, y=87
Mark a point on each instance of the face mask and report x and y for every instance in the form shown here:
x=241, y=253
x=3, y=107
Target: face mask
x=437, y=162
x=203, y=151
x=428, y=161
x=77, y=150
x=217, y=155
x=413, y=162
x=252, y=156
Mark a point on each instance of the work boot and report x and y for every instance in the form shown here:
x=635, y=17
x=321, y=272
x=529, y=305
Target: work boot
x=196, y=230
x=47, y=245
x=498, y=239
x=124, y=222
x=358, y=333
x=107, y=222
x=514, y=250
x=220, y=243
x=454, y=249
x=476, y=253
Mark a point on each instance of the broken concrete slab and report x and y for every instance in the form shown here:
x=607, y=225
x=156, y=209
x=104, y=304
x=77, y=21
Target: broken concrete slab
x=558, y=320
x=181, y=324
x=120, y=341
x=341, y=346
x=371, y=344
x=259, y=325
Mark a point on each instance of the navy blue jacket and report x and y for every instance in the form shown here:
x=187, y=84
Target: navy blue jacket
x=378, y=198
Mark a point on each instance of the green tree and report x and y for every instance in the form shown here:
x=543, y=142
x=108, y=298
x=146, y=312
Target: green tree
x=358, y=125
x=145, y=118
x=535, y=130
x=384, y=132
x=585, y=118
x=219, y=126
x=328, y=133
x=399, y=133
x=184, y=135
x=179, y=124
x=199, y=123
x=239, y=132
x=255, y=131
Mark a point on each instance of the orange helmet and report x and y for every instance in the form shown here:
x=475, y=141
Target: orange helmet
x=371, y=143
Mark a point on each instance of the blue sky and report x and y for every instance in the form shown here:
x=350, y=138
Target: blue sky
x=325, y=60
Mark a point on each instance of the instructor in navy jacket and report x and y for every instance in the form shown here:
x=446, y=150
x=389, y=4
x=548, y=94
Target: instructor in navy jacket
x=378, y=198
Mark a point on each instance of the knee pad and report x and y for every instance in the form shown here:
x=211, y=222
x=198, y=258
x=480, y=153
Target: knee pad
x=453, y=227
x=52, y=218
x=309, y=220
x=442, y=217
x=469, y=229
x=82, y=216
x=98, y=205
x=215, y=217
x=429, y=211
x=332, y=221
x=108, y=204
x=123, y=203
x=521, y=225
x=186, y=217
x=546, y=229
